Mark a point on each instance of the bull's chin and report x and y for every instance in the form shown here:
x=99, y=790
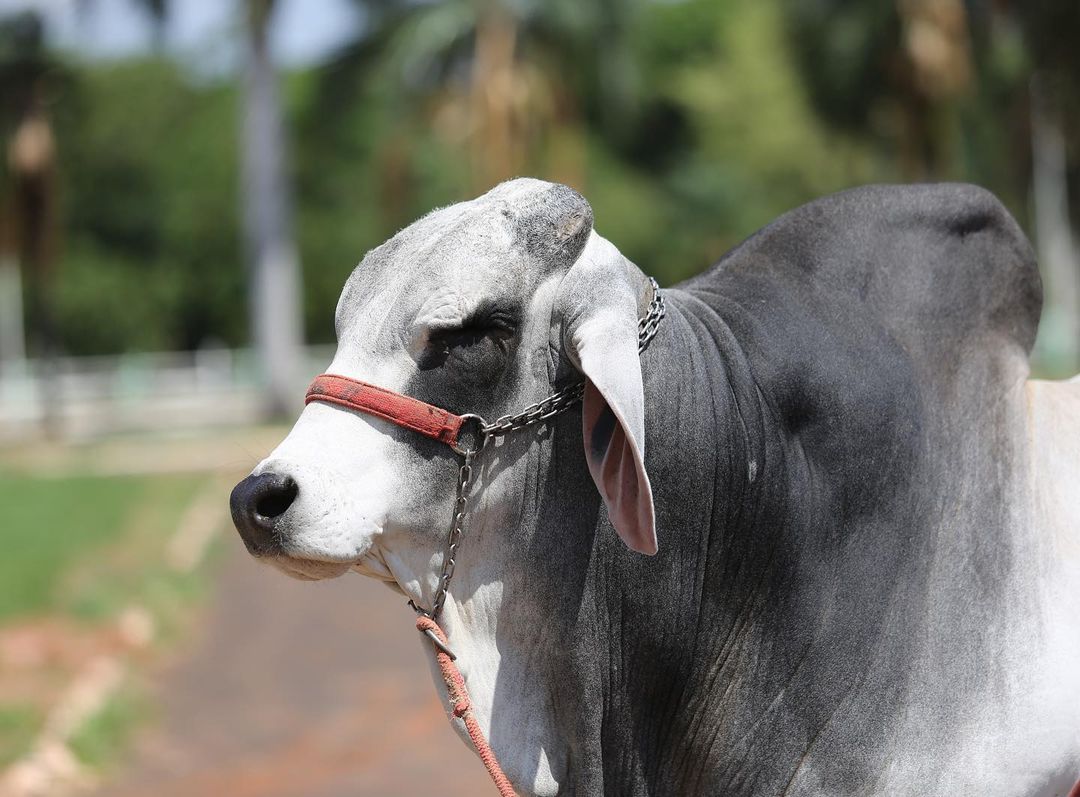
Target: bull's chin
x=307, y=569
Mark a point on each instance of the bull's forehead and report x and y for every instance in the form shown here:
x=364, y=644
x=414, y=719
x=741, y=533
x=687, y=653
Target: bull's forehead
x=441, y=268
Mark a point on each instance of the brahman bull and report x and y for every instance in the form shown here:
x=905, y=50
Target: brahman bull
x=865, y=519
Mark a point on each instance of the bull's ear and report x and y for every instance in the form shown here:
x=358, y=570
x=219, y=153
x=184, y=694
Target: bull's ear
x=599, y=299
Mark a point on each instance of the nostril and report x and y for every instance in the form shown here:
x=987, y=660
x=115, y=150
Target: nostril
x=277, y=499
x=258, y=504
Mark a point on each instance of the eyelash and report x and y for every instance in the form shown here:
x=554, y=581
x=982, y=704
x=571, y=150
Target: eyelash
x=497, y=326
x=463, y=336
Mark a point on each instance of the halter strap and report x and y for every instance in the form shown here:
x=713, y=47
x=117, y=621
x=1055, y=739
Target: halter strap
x=425, y=419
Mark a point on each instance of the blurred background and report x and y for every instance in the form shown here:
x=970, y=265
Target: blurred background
x=185, y=186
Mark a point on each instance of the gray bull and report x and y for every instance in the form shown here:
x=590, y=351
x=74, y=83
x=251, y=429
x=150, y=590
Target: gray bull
x=867, y=526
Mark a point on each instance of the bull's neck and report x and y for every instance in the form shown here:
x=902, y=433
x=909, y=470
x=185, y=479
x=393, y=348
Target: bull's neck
x=556, y=618
x=686, y=631
x=582, y=655
x=678, y=669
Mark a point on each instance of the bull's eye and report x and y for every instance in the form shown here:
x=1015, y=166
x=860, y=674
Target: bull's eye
x=488, y=336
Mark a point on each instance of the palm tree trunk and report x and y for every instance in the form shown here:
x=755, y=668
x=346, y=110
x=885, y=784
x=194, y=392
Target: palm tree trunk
x=12, y=338
x=12, y=332
x=32, y=156
x=496, y=149
x=1060, y=330
x=274, y=275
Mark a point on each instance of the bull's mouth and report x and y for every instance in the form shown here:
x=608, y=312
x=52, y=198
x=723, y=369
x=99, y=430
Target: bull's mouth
x=307, y=569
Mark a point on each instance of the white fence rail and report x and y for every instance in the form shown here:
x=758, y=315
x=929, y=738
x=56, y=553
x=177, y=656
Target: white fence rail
x=86, y=397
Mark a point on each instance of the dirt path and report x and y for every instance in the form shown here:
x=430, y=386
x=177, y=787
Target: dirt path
x=299, y=690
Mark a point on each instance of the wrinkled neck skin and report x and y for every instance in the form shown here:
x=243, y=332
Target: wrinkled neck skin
x=807, y=626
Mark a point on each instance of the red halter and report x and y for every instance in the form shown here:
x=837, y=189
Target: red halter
x=425, y=419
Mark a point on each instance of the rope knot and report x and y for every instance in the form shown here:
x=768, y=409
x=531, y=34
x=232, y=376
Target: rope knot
x=423, y=623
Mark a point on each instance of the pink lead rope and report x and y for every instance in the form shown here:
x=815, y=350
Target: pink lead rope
x=462, y=707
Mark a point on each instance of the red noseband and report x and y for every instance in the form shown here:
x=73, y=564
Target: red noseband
x=425, y=419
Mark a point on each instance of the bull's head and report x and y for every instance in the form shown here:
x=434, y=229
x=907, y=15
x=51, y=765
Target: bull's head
x=480, y=307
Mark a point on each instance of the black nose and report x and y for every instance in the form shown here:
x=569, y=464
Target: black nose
x=257, y=503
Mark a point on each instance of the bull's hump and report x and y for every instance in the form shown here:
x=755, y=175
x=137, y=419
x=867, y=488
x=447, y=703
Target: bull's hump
x=945, y=258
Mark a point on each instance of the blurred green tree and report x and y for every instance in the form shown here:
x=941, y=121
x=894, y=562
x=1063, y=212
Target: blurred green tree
x=895, y=70
x=688, y=125
x=633, y=103
x=152, y=256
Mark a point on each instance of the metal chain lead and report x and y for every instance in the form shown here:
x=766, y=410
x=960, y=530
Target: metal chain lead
x=461, y=506
x=558, y=402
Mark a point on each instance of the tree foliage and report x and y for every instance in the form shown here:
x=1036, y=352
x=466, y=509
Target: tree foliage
x=687, y=125
x=152, y=248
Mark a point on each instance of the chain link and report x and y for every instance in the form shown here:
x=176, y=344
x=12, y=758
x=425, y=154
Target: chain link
x=461, y=506
x=556, y=403
x=648, y=325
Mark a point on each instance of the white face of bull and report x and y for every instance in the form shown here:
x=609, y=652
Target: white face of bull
x=466, y=309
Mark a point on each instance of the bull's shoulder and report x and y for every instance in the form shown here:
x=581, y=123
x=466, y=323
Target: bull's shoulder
x=943, y=259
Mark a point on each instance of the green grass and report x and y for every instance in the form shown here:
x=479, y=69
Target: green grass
x=18, y=725
x=48, y=525
x=86, y=547
x=103, y=738
x=52, y=524
x=106, y=580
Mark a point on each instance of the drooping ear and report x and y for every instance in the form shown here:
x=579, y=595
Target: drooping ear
x=599, y=303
